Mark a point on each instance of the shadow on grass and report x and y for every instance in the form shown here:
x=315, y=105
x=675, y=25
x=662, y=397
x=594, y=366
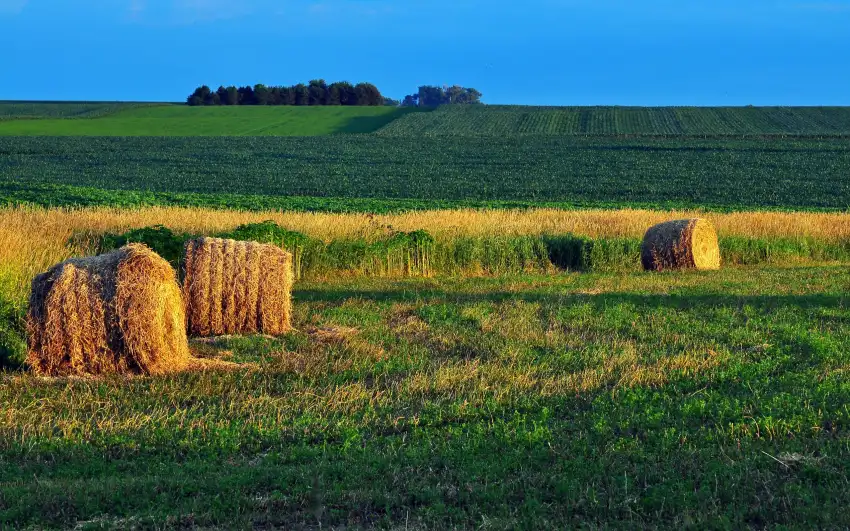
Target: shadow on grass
x=370, y=124
x=602, y=300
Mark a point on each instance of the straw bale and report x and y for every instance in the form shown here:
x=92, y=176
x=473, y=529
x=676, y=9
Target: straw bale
x=681, y=244
x=117, y=313
x=235, y=287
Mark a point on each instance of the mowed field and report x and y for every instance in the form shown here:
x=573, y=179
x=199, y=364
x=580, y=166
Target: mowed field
x=181, y=120
x=523, y=373
x=38, y=110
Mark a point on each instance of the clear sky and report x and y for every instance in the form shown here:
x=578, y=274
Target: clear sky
x=552, y=52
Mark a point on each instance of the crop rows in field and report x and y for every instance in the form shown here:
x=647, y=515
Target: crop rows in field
x=17, y=110
x=695, y=121
x=752, y=173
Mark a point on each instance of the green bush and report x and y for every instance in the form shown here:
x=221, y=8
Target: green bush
x=160, y=239
x=268, y=232
x=13, y=338
x=302, y=247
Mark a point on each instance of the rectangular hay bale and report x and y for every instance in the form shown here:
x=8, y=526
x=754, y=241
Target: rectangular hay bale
x=236, y=287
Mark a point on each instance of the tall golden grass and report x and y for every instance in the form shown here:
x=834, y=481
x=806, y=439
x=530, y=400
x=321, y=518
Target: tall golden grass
x=32, y=239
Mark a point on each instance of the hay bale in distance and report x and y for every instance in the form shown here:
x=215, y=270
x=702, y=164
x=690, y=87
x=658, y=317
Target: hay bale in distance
x=680, y=244
x=117, y=313
x=236, y=287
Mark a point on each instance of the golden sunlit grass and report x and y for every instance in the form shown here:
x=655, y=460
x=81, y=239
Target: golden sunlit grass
x=33, y=239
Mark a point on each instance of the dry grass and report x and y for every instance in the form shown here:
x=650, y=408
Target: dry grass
x=32, y=239
x=118, y=313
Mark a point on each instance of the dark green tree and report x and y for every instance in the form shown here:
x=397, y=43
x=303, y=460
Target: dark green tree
x=347, y=93
x=368, y=94
x=246, y=95
x=472, y=96
x=334, y=94
x=200, y=96
x=318, y=92
x=261, y=94
x=302, y=94
x=430, y=96
x=222, y=95
x=232, y=97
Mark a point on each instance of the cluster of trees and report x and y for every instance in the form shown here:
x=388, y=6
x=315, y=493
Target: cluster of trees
x=316, y=93
x=429, y=96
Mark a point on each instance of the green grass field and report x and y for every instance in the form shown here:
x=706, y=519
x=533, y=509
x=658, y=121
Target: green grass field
x=181, y=120
x=502, y=120
x=47, y=111
x=751, y=173
x=702, y=400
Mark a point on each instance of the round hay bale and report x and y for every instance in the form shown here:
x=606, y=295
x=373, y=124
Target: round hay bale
x=117, y=313
x=680, y=244
x=236, y=287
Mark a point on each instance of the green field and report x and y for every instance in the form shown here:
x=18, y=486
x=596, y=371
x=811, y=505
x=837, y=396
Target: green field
x=37, y=110
x=730, y=174
x=699, y=400
x=499, y=120
x=118, y=119
x=181, y=120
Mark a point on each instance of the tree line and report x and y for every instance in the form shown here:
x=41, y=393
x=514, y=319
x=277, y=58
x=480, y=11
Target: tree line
x=431, y=96
x=318, y=92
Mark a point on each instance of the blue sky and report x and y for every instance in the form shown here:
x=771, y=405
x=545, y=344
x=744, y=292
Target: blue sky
x=552, y=52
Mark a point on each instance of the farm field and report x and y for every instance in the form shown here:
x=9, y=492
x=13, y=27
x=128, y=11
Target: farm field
x=140, y=119
x=181, y=120
x=666, y=173
x=505, y=120
x=475, y=345
x=47, y=111
x=636, y=400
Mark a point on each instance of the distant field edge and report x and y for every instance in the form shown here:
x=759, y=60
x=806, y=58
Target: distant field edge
x=12, y=111
x=48, y=195
x=169, y=120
